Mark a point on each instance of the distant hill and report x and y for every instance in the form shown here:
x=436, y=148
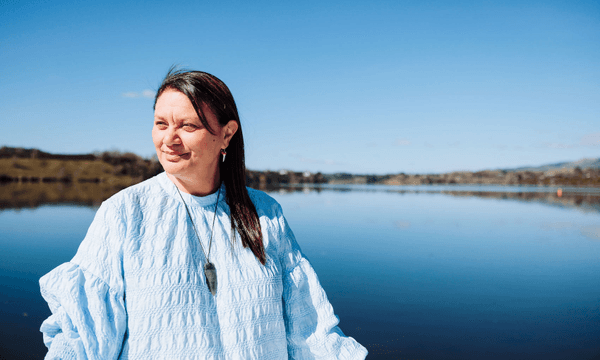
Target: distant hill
x=584, y=173
x=18, y=165
x=110, y=167
x=582, y=164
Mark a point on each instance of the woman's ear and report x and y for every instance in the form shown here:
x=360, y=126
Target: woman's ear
x=228, y=131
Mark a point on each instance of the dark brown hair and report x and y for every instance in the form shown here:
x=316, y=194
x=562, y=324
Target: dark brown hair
x=203, y=88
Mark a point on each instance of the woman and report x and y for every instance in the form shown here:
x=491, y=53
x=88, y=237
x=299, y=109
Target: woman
x=191, y=264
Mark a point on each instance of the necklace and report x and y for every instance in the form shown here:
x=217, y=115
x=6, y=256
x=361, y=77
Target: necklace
x=210, y=272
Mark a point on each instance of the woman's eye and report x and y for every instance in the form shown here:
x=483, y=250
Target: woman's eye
x=190, y=126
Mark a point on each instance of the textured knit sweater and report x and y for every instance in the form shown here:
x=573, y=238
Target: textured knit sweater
x=136, y=287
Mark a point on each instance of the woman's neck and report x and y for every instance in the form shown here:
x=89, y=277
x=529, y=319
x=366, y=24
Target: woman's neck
x=197, y=186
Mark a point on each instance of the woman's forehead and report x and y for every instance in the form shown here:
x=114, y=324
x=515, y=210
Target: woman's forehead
x=174, y=103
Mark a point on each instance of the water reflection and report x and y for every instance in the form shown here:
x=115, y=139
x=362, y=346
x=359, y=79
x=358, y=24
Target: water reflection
x=33, y=195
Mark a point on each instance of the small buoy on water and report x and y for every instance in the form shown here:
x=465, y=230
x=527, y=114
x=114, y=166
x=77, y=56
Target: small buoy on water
x=559, y=192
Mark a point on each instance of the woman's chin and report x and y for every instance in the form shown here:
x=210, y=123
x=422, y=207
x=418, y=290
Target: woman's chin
x=186, y=170
x=174, y=169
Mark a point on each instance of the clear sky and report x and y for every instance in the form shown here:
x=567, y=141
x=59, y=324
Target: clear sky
x=361, y=87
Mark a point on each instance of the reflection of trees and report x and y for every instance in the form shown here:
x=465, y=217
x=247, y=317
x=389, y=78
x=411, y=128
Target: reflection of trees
x=580, y=200
x=30, y=195
x=585, y=201
x=275, y=179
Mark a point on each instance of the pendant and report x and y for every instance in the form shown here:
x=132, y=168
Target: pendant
x=210, y=273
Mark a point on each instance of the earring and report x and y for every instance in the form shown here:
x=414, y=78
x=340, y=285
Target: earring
x=224, y=153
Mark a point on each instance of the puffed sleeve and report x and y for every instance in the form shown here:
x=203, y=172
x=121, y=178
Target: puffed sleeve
x=85, y=295
x=311, y=325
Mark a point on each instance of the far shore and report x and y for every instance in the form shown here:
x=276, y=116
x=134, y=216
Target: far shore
x=119, y=170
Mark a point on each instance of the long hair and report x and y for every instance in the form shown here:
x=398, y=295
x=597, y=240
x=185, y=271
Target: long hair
x=203, y=88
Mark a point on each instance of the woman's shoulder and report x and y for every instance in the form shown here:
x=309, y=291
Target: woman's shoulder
x=264, y=203
x=142, y=195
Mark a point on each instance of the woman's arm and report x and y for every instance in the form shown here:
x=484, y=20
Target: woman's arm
x=86, y=295
x=311, y=325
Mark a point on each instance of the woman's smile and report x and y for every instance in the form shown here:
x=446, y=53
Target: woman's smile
x=175, y=156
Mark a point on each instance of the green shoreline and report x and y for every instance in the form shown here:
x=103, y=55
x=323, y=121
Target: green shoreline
x=124, y=169
x=30, y=178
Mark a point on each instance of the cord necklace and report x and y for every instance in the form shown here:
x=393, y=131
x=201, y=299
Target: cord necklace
x=210, y=272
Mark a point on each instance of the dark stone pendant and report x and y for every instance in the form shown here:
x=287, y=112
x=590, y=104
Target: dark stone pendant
x=210, y=273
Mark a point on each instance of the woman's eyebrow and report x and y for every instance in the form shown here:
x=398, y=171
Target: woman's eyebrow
x=178, y=120
x=193, y=119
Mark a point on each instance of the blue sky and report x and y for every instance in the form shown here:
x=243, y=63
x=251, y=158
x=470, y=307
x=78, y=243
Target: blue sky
x=362, y=87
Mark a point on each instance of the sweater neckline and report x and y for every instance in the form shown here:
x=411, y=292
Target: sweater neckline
x=190, y=199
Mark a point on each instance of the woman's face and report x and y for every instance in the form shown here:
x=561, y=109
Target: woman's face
x=185, y=148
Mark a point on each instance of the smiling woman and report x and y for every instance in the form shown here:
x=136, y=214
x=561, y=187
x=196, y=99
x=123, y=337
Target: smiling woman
x=161, y=273
x=188, y=149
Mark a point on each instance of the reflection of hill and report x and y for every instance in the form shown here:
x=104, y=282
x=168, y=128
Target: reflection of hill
x=28, y=195
x=580, y=199
x=584, y=201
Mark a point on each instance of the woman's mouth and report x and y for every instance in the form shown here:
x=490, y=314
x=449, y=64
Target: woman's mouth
x=173, y=155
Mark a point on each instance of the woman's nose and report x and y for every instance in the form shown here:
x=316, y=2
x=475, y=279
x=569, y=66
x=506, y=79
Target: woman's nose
x=171, y=138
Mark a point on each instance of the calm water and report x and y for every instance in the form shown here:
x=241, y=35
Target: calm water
x=411, y=275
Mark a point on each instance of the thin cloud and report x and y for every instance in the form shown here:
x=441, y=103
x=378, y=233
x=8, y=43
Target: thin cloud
x=316, y=161
x=591, y=139
x=149, y=94
x=586, y=140
x=558, y=146
x=402, y=142
x=400, y=224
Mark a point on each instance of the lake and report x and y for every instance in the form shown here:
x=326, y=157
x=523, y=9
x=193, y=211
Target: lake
x=412, y=272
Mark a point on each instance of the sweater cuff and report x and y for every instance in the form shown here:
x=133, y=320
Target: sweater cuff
x=60, y=349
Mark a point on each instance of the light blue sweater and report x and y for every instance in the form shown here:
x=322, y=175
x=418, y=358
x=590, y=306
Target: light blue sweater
x=136, y=289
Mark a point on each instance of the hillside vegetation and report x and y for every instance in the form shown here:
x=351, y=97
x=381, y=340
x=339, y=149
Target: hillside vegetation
x=589, y=177
x=113, y=168
x=123, y=169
